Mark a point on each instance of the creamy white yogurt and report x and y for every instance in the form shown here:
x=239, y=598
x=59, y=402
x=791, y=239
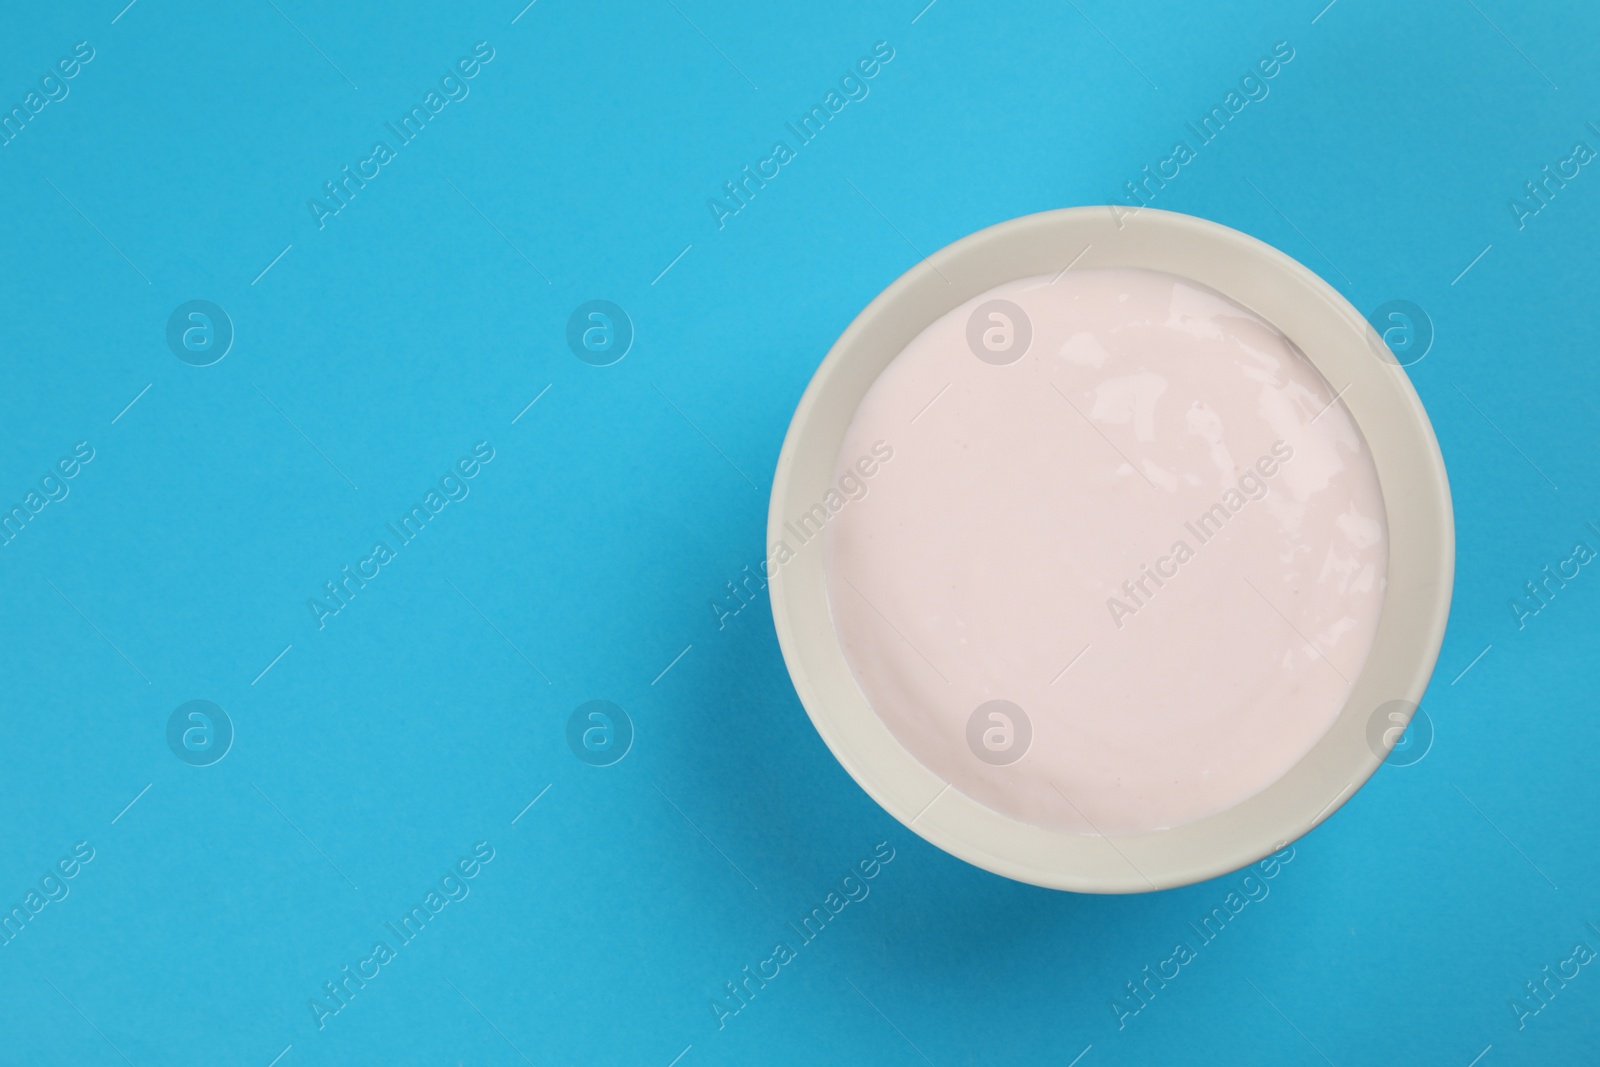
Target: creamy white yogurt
x=1126, y=561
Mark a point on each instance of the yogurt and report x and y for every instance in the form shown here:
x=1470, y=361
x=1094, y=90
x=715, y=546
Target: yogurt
x=1123, y=560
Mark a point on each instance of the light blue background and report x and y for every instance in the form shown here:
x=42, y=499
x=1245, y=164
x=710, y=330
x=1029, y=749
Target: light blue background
x=417, y=323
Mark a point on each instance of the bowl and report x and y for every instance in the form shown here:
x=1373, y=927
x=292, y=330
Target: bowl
x=1339, y=343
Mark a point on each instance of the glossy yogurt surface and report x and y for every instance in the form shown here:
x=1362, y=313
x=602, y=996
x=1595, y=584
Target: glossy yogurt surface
x=1107, y=552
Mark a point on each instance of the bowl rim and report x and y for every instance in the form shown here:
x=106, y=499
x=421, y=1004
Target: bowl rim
x=1339, y=343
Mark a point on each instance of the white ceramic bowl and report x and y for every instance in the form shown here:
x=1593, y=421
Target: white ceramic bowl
x=1339, y=343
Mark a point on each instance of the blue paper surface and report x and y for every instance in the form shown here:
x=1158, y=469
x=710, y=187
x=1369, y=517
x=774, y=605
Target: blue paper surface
x=370, y=319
